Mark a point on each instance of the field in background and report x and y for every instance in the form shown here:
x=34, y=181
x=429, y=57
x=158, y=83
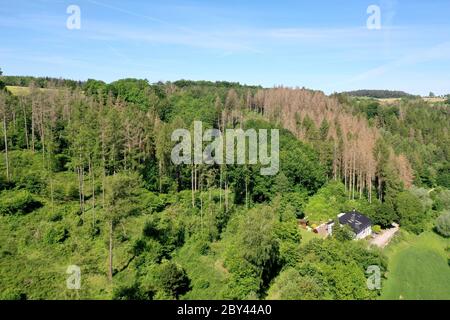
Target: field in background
x=23, y=91
x=394, y=100
x=418, y=268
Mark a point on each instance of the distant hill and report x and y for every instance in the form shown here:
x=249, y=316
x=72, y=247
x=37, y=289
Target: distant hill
x=379, y=94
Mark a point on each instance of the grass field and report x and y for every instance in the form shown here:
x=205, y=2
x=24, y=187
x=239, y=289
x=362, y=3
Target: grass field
x=418, y=268
x=307, y=236
x=23, y=91
x=395, y=100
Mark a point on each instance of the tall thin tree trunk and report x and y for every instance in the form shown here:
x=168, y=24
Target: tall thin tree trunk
x=201, y=202
x=192, y=186
x=246, y=191
x=6, y=146
x=26, y=127
x=160, y=176
x=32, y=126
x=110, y=271
x=104, y=169
x=91, y=173
x=226, y=194
x=220, y=188
x=195, y=177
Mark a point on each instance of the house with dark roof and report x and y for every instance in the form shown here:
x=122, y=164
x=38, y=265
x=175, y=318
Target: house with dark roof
x=359, y=223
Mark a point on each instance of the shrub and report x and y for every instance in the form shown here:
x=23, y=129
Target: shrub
x=441, y=199
x=17, y=202
x=443, y=224
x=12, y=294
x=342, y=233
x=33, y=182
x=290, y=285
x=152, y=202
x=56, y=234
x=376, y=228
x=4, y=183
x=65, y=189
x=129, y=292
x=55, y=217
x=172, y=279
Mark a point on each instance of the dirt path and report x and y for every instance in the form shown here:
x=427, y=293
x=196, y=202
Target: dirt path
x=383, y=238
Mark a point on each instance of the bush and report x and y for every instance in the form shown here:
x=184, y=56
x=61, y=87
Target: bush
x=327, y=203
x=441, y=199
x=172, y=279
x=376, y=229
x=129, y=292
x=57, y=234
x=342, y=233
x=151, y=202
x=443, y=224
x=32, y=182
x=290, y=285
x=65, y=189
x=12, y=294
x=17, y=202
x=4, y=183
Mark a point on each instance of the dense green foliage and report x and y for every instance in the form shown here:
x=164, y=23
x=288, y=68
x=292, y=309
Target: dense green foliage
x=86, y=179
x=379, y=94
x=420, y=131
x=443, y=224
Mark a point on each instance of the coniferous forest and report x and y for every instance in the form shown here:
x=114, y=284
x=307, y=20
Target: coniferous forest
x=86, y=179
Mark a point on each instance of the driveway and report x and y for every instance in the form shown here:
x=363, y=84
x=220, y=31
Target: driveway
x=382, y=240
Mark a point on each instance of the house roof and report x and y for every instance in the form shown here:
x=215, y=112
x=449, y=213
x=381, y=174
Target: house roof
x=356, y=220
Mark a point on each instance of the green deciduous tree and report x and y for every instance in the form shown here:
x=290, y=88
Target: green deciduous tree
x=290, y=285
x=443, y=224
x=410, y=211
x=172, y=279
x=121, y=193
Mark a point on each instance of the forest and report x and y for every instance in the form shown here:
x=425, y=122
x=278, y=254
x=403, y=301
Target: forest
x=86, y=179
x=380, y=94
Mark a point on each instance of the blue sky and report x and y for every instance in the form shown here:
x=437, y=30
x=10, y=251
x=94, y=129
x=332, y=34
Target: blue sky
x=318, y=44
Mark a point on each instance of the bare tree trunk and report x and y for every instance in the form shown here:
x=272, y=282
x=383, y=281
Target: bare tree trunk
x=80, y=189
x=220, y=187
x=246, y=191
x=26, y=127
x=195, y=177
x=345, y=180
x=192, y=186
x=6, y=146
x=81, y=183
x=110, y=271
x=104, y=169
x=226, y=195
x=201, y=202
x=32, y=126
x=354, y=176
x=14, y=121
x=160, y=176
x=92, y=174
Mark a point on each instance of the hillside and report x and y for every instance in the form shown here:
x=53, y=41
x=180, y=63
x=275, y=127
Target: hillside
x=87, y=179
x=379, y=94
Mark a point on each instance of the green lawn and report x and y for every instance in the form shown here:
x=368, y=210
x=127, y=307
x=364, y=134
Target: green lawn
x=418, y=268
x=307, y=236
x=23, y=91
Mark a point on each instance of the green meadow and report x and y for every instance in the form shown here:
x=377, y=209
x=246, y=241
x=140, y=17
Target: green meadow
x=418, y=268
